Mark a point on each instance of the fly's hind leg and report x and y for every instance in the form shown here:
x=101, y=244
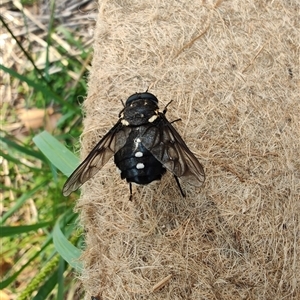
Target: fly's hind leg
x=179, y=186
x=130, y=191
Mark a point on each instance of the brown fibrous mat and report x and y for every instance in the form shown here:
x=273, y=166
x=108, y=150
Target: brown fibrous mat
x=232, y=71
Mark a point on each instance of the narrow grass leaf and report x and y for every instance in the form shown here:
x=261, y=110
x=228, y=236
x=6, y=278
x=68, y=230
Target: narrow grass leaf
x=39, y=86
x=23, y=149
x=17, y=161
x=13, y=230
x=20, y=201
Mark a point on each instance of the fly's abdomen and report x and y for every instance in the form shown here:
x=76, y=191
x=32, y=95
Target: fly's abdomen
x=137, y=164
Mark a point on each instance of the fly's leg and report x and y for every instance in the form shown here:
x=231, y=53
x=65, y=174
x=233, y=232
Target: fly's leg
x=178, y=184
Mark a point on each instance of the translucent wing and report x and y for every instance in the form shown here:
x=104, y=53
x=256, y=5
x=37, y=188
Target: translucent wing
x=97, y=158
x=167, y=146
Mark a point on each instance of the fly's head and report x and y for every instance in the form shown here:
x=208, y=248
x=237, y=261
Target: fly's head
x=140, y=109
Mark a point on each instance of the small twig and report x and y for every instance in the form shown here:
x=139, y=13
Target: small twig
x=161, y=283
x=190, y=43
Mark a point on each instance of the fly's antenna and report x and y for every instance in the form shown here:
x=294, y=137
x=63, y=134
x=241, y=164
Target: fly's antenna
x=166, y=107
x=122, y=102
x=122, y=109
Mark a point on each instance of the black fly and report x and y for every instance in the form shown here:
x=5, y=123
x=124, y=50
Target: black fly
x=144, y=145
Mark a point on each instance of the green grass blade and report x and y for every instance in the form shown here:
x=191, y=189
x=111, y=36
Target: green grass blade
x=37, y=85
x=40, y=87
x=23, y=149
x=61, y=279
x=17, y=161
x=21, y=200
x=12, y=230
x=62, y=158
x=67, y=250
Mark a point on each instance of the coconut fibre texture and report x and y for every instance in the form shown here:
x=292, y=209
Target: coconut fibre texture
x=232, y=71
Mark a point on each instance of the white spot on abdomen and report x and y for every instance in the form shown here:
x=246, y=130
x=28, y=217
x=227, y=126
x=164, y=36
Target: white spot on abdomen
x=138, y=154
x=140, y=166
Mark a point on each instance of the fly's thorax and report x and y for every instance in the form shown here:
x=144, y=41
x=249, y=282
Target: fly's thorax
x=139, y=112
